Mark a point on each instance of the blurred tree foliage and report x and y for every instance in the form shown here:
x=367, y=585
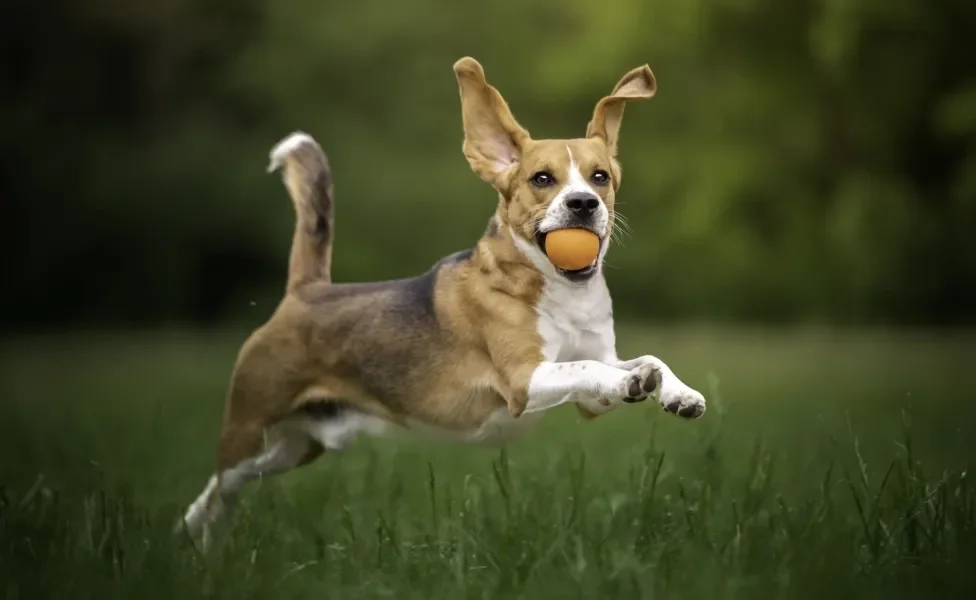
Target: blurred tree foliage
x=812, y=159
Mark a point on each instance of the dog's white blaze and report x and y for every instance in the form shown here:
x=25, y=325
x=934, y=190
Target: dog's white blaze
x=558, y=214
x=577, y=182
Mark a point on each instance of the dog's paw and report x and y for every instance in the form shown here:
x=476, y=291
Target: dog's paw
x=641, y=383
x=681, y=400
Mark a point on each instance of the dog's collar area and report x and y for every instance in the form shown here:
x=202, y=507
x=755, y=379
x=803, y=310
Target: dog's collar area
x=579, y=275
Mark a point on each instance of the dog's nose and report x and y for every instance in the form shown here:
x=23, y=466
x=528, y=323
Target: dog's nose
x=582, y=205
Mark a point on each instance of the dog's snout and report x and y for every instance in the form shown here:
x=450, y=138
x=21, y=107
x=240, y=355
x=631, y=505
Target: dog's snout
x=583, y=205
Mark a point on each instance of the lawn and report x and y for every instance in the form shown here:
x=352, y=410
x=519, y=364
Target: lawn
x=828, y=465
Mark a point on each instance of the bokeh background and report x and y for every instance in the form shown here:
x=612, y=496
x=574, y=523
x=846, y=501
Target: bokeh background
x=812, y=160
x=800, y=195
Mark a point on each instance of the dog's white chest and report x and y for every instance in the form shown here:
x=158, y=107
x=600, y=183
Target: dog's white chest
x=576, y=322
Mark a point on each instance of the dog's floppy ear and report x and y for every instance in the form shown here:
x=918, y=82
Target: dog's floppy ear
x=493, y=139
x=638, y=84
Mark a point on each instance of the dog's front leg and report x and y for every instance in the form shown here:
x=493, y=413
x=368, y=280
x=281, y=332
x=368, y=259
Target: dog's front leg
x=673, y=394
x=586, y=382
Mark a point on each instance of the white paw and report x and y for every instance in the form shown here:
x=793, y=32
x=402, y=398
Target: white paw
x=679, y=399
x=637, y=385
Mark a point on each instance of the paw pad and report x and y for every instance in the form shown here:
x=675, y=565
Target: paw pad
x=635, y=386
x=635, y=391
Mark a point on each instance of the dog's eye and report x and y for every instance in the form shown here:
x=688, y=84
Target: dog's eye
x=600, y=177
x=542, y=179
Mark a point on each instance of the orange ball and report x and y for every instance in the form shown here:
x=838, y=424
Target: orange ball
x=572, y=249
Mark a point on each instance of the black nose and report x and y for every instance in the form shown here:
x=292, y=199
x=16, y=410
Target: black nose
x=582, y=205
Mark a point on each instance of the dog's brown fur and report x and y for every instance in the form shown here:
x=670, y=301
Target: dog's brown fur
x=446, y=348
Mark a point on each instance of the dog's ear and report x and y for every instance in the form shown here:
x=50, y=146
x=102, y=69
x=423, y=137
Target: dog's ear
x=638, y=84
x=493, y=139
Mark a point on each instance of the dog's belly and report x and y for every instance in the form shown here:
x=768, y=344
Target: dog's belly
x=498, y=428
x=336, y=432
x=479, y=416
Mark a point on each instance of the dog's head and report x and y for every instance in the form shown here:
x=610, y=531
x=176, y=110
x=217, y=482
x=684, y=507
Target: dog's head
x=547, y=185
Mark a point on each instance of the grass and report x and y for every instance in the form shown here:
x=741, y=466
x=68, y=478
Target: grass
x=827, y=465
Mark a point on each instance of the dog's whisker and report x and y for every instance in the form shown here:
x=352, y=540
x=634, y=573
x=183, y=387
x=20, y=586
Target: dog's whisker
x=535, y=219
x=620, y=229
x=620, y=234
x=621, y=218
x=620, y=223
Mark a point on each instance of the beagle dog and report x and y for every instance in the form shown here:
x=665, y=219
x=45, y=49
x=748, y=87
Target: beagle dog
x=476, y=349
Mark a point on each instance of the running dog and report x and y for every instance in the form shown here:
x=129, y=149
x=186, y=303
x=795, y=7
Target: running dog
x=476, y=349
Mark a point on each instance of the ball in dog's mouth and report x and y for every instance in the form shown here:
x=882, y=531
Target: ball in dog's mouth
x=571, y=250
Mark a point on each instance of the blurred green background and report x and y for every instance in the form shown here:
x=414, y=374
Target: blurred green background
x=809, y=160
x=800, y=197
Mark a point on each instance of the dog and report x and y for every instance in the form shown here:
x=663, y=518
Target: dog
x=476, y=349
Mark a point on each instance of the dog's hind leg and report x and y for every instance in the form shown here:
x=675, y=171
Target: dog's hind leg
x=260, y=435
x=247, y=452
x=251, y=452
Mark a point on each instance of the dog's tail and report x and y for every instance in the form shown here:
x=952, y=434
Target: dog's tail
x=306, y=173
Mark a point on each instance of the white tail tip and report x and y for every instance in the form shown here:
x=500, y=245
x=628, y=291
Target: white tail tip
x=286, y=146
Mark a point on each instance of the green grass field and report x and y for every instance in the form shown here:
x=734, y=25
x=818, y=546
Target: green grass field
x=827, y=465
